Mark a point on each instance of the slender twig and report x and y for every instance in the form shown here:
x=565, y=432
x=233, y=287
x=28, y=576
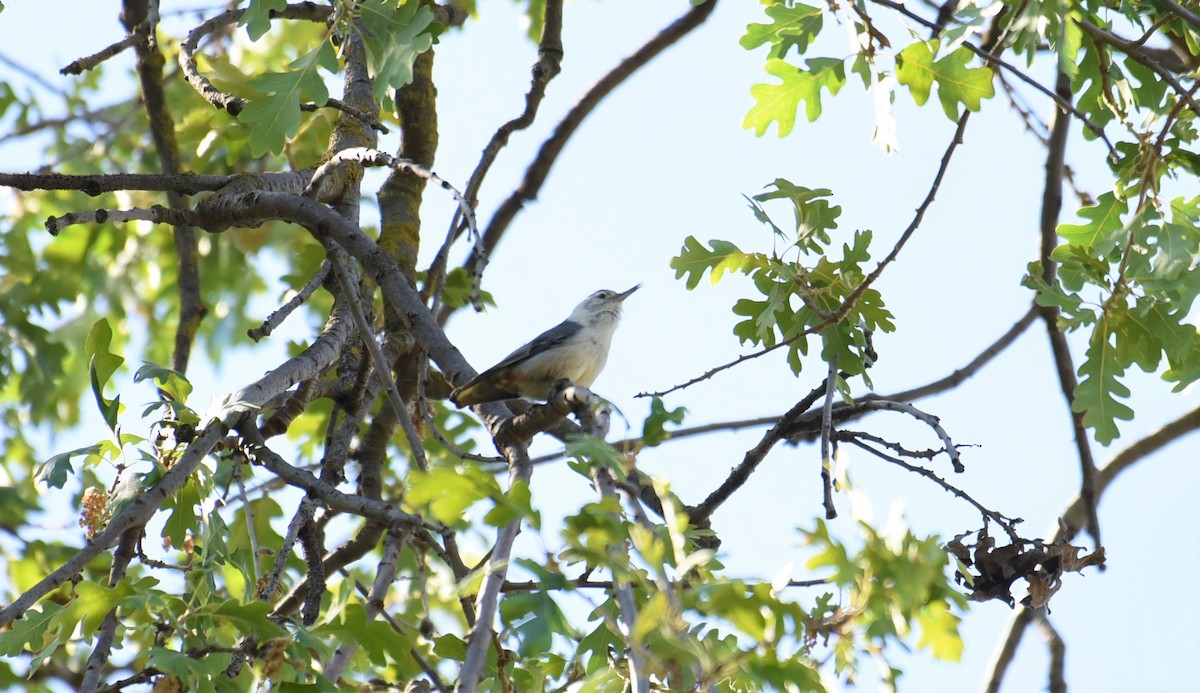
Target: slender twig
x=1064, y=364
x=370, y=508
x=78, y=67
x=826, y=436
x=385, y=574
x=1183, y=13
x=539, y=169
x=741, y=473
x=277, y=316
x=304, y=514
x=187, y=50
x=1134, y=50
x=853, y=438
x=929, y=420
x=1058, y=651
x=365, y=156
x=349, y=283
x=547, y=67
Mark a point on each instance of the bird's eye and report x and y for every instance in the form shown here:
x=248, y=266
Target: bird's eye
x=604, y=294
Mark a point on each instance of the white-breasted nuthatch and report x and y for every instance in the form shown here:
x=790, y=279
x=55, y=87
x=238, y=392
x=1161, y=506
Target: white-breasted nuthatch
x=575, y=350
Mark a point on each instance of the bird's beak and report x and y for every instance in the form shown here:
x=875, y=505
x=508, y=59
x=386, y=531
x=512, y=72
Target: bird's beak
x=625, y=295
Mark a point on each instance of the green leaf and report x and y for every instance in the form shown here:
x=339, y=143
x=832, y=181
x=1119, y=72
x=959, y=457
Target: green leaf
x=102, y=363
x=252, y=619
x=275, y=118
x=778, y=103
x=1097, y=393
x=957, y=83
x=1104, y=226
x=939, y=632
x=448, y=492
x=814, y=215
x=183, y=514
x=536, y=618
x=694, y=258
x=791, y=27
x=257, y=17
x=53, y=471
x=394, y=35
x=169, y=381
x=654, y=427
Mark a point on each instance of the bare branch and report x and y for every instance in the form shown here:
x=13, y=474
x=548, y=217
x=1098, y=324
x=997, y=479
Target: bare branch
x=186, y=183
x=1064, y=364
x=539, y=168
x=826, y=436
x=276, y=318
x=740, y=474
x=1058, y=651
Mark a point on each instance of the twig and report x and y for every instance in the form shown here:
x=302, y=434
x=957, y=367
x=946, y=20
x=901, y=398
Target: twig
x=740, y=474
x=1134, y=50
x=547, y=67
x=1183, y=13
x=384, y=576
x=1058, y=651
x=1064, y=364
x=373, y=157
x=187, y=50
x=826, y=436
x=277, y=316
x=356, y=113
x=99, y=657
x=930, y=420
x=853, y=438
x=627, y=612
x=349, y=283
x=543, y=162
x=370, y=508
x=78, y=67
x=304, y=514
x=1008, y=649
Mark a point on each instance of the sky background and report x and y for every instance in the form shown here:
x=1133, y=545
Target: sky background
x=665, y=157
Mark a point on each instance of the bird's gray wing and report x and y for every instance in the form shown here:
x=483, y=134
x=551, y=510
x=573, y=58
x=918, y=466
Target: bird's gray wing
x=549, y=339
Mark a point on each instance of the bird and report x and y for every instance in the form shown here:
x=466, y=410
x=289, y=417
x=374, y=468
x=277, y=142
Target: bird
x=575, y=350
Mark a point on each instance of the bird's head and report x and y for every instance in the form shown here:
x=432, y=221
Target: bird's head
x=603, y=304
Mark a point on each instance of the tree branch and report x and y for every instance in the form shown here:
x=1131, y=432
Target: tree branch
x=543, y=162
x=1064, y=364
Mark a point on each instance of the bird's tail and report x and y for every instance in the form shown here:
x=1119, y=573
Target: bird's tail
x=482, y=390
